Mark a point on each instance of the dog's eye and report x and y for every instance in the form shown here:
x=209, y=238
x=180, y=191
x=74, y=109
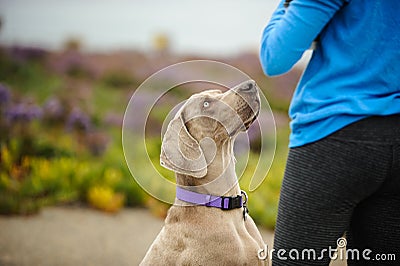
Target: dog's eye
x=206, y=104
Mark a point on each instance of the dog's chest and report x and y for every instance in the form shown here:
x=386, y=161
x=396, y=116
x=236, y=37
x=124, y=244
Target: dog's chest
x=214, y=244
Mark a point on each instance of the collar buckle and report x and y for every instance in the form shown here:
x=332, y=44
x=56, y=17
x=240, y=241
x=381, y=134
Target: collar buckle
x=229, y=203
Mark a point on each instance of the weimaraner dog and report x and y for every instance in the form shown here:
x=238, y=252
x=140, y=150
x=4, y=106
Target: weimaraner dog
x=208, y=223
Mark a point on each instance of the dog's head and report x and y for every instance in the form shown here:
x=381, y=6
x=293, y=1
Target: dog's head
x=206, y=121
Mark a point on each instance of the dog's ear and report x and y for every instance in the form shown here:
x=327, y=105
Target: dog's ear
x=180, y=152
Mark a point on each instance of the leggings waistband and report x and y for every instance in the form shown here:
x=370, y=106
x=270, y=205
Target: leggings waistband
x=380, y=129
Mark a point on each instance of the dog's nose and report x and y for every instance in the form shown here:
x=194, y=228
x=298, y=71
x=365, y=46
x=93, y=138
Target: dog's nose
x=248, y=86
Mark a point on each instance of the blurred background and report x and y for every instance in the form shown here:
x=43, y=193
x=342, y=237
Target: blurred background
x=67, y=72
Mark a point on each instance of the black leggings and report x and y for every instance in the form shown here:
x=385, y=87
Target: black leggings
x=347, y=184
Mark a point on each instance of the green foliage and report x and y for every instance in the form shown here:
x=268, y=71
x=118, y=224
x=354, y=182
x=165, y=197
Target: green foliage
x=78, y=71
x=119, y=79
x=263, y=202
x=34, y=182
x=106, y=99
x=28, y=183
x=28, y=77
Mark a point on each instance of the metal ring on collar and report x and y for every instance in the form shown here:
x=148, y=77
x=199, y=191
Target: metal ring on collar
x=245, y=197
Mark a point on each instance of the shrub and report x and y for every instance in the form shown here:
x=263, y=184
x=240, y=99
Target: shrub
x=31, y=183
x=134, y=195
x=118, y=79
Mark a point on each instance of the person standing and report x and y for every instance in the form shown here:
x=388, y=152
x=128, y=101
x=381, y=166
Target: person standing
x=342, y=176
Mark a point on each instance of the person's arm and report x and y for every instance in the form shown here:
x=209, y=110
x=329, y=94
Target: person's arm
x=290, y=32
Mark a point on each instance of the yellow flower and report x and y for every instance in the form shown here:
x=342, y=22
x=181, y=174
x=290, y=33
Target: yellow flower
x=6, y=158
x=104, y=198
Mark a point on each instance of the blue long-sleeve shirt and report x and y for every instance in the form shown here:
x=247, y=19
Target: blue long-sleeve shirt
x=354, y=71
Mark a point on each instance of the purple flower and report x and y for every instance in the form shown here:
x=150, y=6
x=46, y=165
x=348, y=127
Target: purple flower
x=5, y=95
x=113, y=119
x=78, y=120
x=71, y=63
x=254, y=131
x=24, y=54
x=23, y=113
x=53, y=109
x=97, y=142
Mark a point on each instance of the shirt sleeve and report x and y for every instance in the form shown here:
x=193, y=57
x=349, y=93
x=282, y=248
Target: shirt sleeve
x=291, y=31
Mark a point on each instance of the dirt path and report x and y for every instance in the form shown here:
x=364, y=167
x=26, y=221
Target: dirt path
x=81, y=236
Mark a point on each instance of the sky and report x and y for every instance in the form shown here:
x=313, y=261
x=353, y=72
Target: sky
x=204, y=27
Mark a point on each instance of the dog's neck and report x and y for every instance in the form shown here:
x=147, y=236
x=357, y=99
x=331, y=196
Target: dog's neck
x=221, y=179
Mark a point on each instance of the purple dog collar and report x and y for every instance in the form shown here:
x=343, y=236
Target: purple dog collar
x=221, y=202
